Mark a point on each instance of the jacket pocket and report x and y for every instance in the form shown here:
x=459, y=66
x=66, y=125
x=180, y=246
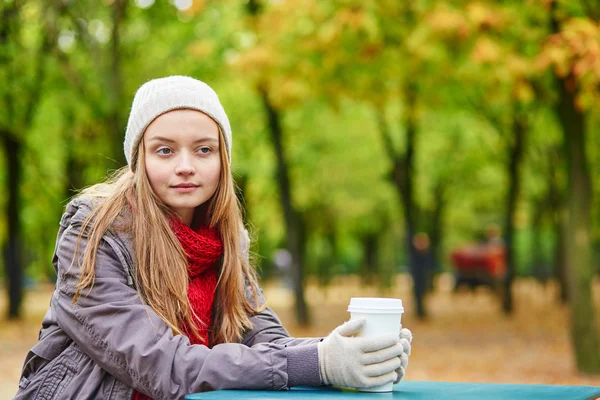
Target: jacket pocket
x=55, y=377
x=33, y=364
x=37, y=363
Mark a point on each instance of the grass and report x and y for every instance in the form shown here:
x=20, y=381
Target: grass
x=466, y=338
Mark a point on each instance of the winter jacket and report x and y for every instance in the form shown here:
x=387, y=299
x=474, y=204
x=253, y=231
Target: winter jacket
x=109, y=342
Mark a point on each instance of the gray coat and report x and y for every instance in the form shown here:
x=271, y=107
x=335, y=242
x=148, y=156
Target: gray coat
x=110, y=342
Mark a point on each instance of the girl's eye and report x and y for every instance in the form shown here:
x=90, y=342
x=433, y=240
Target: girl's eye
x=204, y=150
x=164, y=151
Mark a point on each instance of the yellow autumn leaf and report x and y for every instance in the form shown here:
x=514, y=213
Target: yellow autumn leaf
x=580, y=26
x=483, y=16
x=477, y=12
x=328, y=34
x=255, y=61
x=486, y=50
x=202, y=48
x=196, y=7
x=287, y=92
x=559, y=59
x=371, y=27
x=523, y=91
x=444, y=20
x=518, y=65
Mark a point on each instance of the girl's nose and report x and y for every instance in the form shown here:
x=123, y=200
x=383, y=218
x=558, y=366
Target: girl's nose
x=185, y=165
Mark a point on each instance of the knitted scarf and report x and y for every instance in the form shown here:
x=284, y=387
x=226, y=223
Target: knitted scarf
x=203, y=248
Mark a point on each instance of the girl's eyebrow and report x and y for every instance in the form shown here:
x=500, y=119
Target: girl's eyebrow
x=165, y=139
x=206, y=139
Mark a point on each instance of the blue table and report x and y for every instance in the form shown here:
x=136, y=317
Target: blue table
x=411, y=390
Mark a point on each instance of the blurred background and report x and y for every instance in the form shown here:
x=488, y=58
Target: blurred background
x=442, y=152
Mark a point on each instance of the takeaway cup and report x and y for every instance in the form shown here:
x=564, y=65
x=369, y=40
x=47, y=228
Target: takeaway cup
x=382, y=315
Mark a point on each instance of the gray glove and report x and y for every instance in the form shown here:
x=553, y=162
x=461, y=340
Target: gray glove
x=405, y=341
x=358, y=362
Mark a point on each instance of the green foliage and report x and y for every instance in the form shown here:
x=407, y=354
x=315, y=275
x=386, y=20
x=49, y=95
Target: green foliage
x=329, y=64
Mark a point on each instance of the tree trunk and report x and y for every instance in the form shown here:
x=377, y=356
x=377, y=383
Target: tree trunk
x=538, y=264
x=403, y=177
x=12, y=252
x=555, y=200
x=370, y=258
x=437, y=234
x=293, y=221
x=295, y=227
x=519, y=130
x=327, y=263
x=18, y=120
x=560, y=258
x=577, y=233
x=579, y=272
x=115, y=84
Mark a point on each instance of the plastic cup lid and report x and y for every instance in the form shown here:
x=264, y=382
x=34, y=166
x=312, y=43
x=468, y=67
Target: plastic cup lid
x=376, y=305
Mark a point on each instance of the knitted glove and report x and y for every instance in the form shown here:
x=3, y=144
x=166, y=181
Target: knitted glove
x=405, y=341
x=358, y=362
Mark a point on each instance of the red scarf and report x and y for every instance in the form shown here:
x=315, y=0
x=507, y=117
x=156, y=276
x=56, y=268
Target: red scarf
x=204, y=249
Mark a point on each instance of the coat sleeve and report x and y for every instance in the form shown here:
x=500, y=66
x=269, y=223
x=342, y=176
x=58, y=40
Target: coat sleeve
x=111, y=324
x=267, y=328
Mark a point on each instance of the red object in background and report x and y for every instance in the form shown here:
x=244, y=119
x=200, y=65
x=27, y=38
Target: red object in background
x=487, y=258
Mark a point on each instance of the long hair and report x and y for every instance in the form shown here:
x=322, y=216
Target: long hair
x=161, y=272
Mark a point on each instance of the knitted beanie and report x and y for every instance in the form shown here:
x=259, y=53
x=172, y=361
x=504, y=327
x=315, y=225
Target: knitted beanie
x=159, y=96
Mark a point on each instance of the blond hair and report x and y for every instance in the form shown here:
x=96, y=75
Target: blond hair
x=162, y=274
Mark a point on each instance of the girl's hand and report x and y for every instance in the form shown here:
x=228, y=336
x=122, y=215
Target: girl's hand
x=405, y=341
x=356, y=362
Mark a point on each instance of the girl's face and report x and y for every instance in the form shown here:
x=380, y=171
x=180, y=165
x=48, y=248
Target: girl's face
x=181, y=149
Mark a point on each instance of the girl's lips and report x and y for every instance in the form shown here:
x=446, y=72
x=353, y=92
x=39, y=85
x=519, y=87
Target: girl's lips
x=185, y=188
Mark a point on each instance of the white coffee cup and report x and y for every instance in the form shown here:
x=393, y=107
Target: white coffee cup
x=381, y=315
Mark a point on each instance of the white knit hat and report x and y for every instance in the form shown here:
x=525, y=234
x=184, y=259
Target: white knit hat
x=159, y=96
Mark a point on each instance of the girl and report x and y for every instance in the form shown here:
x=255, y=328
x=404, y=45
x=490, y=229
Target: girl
x=155, y=296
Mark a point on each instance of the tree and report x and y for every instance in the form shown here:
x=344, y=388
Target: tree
x=295, y=236
x=572, y=51
x=495, y=46
x=545, y=186
x=95, y=51
x=353, y=50
x=23, y=42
